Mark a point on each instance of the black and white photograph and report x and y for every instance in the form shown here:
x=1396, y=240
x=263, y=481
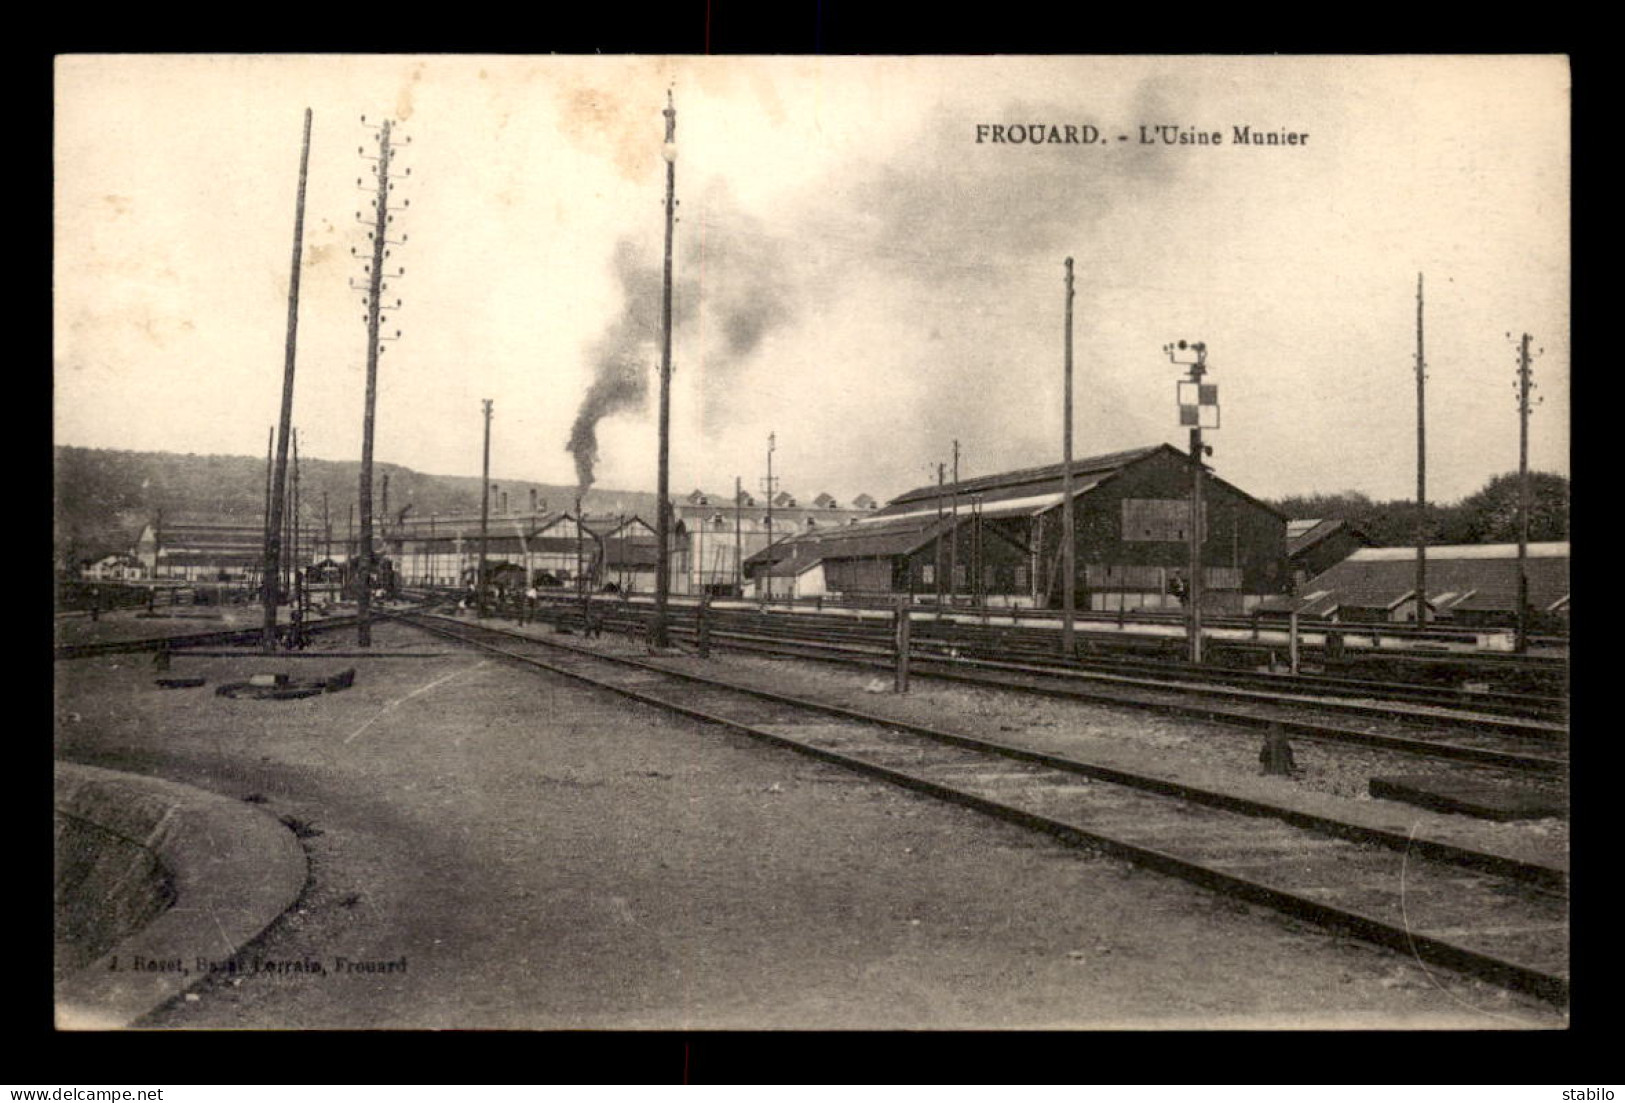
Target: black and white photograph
x=651, y=543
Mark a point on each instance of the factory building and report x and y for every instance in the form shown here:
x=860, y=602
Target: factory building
x=549, y=547
x=996, y=539
x=214, y=551
x=713, y=536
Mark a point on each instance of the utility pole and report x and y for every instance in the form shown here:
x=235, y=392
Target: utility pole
x=290, y=513
x=375, y=288
x=1198, y=409
x=978, y=588
x=1069, y=543
x=739, y=533
x=1421, y=469
x=265, y=538
x=485, y=512
x=1525, y=385
x=940, y=468
x=767, y=489
x=273, y=525
x=581, y=586
x=157, y=545
x=953, y=531
x=657, y=632
x=293, y=529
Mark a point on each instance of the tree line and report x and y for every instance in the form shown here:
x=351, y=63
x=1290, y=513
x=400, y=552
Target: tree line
x=1489, y=516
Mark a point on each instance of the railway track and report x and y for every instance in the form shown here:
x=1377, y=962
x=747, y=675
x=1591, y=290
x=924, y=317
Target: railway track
x=1481, y=914
x=238, y=636
x=1518, y=747
x=1038, y=648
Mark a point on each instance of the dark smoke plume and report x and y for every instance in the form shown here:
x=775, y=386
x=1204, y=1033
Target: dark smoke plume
x=624, y=358
x=730, y=288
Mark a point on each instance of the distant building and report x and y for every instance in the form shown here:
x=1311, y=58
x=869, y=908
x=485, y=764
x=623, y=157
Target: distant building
x=215, y=551
x=1314, y=545
x=445, y=551
x=1468, y=584
x=713, y=537
x=116, y=567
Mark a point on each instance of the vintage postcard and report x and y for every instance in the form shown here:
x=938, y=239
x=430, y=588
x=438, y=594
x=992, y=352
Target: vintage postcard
x=807, y=543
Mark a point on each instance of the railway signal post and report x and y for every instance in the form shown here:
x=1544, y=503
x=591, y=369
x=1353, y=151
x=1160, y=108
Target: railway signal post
x=1198, y=410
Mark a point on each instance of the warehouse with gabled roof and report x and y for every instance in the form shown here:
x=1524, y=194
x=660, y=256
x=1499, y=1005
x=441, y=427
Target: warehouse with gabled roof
x=996, y=539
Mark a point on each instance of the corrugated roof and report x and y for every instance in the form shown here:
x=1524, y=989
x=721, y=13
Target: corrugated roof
x=450, y=528
x=1555, y=550
x=1012, y=484
x=1460, y=581
x=879, y=538
x=1027, y=506
x=1301, y=535
x=788, y=568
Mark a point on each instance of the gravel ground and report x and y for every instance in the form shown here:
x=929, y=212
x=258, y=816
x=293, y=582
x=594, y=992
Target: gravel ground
x=1331, y=780
x=544, y=856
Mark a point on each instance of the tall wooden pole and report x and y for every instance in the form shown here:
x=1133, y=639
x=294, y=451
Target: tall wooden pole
x=1069, y=578
x=375, y=289
x=293, y=527
x=485, y=511
x=265, y=537
x=938, y=564
x=289, y=508
x=657, y=634
x=739, y=534
x=1421, y=468
x=769, y=567
x=273, y=538
x=953, y=531
x=1524, y=385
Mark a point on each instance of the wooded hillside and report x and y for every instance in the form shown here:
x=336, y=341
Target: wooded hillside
x=103, y=498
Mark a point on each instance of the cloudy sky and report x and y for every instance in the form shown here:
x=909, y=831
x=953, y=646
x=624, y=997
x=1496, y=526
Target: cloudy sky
x=856, y=273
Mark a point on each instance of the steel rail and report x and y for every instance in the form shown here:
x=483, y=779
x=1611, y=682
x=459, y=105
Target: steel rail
x=1430, y=948
x=996, y=644
x=189, y=641
x=1064, y=688
x=1175, y=682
